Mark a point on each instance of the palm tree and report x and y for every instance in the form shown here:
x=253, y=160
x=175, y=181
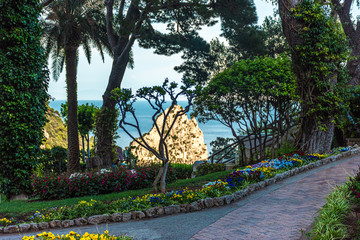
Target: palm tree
x=67, y=25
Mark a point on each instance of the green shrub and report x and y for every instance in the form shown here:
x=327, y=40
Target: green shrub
x=23, y=97
x=52, y=161
x=182, y=171
x=207, y=168
x=329, y=223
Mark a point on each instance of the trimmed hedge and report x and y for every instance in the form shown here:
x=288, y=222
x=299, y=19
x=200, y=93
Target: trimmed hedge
x=23, y=94
x=207, y=168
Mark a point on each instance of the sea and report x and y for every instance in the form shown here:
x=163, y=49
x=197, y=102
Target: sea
x=211, y=129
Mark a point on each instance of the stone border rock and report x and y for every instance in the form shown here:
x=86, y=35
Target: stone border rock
x=174, y=209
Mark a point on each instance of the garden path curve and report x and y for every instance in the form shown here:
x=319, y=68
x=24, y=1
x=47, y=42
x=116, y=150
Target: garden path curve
x=279, y=211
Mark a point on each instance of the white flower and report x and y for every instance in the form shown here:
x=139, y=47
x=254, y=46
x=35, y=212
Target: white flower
x=74, y=175
x=104, y=170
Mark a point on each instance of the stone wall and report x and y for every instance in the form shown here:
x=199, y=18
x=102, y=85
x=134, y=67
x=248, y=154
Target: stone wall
x=185, y=141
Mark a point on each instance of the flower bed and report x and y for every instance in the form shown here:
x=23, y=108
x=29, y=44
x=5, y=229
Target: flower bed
x=53, y=186
x=233, y=187
x=75, y=236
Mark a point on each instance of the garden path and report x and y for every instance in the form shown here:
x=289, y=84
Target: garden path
x=279, y=211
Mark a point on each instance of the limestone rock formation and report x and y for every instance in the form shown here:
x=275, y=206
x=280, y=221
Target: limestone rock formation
x=185, y=141
x=55, y=131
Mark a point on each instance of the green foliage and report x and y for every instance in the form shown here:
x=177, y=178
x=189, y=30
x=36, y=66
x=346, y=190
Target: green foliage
x=329, y=223
x=73, y=23
x=254, y=96
x=18, y=207
x=182, y=171
x=109, y=119
x=351, y=124
x=285, y=149
x=86, y=118
x=319, y=61
x=23, y=86
x=273, y=36
x=220, y=143
x=86, y=115
x=52, y=161
x=207, y=168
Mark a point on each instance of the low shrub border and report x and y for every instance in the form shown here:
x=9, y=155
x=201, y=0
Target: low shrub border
x=329, y=222
x=173, y=209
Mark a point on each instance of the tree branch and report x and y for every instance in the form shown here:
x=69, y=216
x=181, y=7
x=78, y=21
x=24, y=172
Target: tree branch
x=109, y=27
x=343, y=10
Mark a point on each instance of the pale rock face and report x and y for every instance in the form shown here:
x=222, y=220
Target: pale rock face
x=185, y=141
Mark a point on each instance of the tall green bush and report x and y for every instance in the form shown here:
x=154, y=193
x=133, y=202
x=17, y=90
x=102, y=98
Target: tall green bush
x=23, y=97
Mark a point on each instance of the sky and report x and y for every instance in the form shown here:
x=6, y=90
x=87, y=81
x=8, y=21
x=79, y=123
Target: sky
x=150, y=69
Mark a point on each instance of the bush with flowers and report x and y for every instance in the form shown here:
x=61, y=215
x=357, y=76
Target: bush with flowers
x=75, y=236
x=53, y=186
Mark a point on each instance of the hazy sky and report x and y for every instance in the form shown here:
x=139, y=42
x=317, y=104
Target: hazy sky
x=150, y=69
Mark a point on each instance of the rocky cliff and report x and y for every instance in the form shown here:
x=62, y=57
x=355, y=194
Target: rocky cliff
x=55, y=131
x=185, y=141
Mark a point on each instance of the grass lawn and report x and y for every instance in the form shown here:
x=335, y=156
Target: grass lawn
x=23, y=207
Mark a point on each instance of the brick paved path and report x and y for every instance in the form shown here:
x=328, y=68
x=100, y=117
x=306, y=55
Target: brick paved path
x=282, y=213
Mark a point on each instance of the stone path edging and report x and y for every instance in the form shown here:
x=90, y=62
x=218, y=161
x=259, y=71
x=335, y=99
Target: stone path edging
x=173, y=209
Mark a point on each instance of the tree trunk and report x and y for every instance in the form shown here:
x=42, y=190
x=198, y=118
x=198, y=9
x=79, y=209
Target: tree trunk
x=163, y=178
x=313, y=140
x=73, y=161
x=105, y=136
x=83, y=150
x=339, y=137
x=88, y=145
x=158, y=176
x=353, y=66
x=352, y=31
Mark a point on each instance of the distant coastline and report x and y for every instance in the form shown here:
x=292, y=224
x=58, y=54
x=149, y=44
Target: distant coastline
x=211, y=129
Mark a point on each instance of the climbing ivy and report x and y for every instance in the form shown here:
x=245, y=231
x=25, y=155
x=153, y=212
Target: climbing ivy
x=23, y=97
x=320, y=61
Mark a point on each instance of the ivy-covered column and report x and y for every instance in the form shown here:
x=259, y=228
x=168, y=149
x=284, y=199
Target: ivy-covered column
x=23, y=94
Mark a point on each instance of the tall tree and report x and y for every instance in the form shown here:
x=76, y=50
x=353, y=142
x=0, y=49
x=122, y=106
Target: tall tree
x=318, y=49
x=134, y=20
x=23, y=94
x=69, y=24
x=249, y=41
x=352, y=31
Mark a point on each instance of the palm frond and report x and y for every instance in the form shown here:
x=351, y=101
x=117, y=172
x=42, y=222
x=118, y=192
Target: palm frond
x=87, y=50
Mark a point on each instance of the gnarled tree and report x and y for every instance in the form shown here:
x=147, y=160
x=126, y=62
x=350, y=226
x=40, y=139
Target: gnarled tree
x=319, y=49
x=134, y=21
x=156, y=97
